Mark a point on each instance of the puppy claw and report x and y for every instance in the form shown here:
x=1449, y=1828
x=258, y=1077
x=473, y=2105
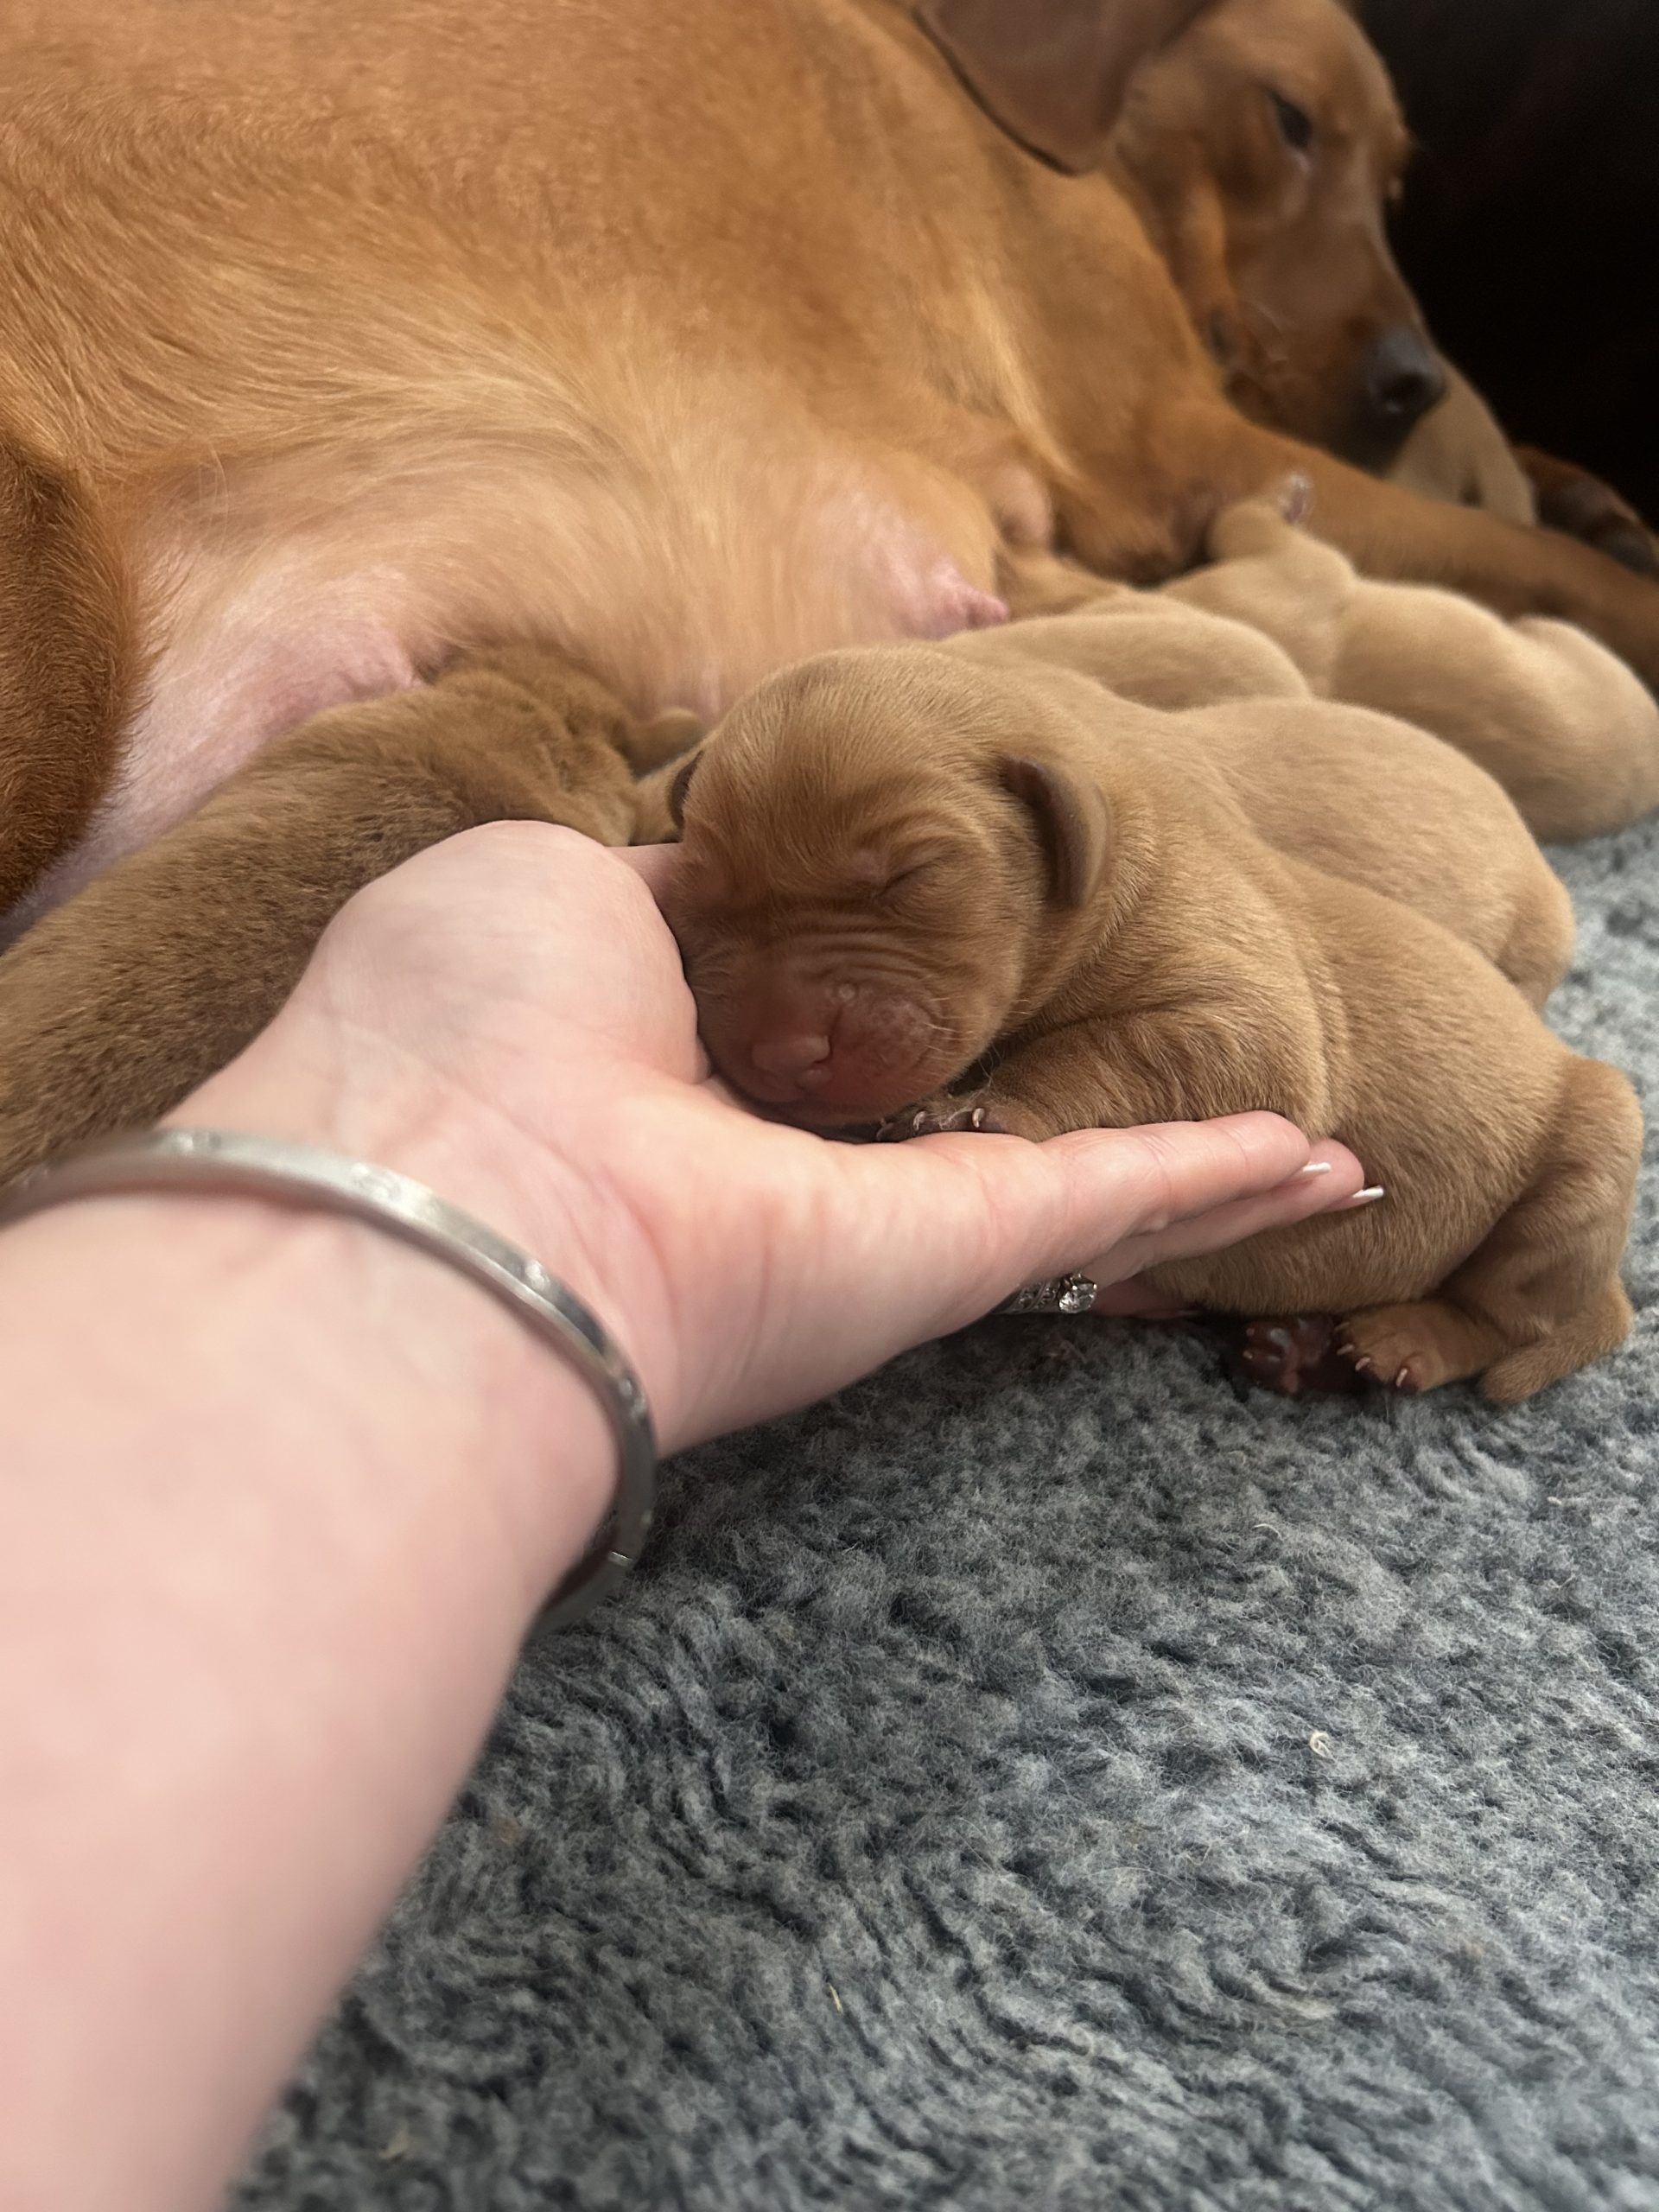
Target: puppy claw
x=1389, y=1364
x=1295, y=498
x=940, y=1121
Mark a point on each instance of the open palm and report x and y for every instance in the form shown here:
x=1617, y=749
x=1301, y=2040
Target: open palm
x=748, y=1267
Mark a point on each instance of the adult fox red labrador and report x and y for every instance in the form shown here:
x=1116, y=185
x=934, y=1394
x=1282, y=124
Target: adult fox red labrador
x=680, y=337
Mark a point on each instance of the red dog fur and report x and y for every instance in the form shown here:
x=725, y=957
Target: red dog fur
x=333, y=340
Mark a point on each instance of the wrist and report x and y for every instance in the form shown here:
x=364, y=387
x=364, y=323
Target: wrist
x=311, y=1079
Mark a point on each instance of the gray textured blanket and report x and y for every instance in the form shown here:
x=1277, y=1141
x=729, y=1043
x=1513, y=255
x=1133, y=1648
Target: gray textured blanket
x=1039, y=1779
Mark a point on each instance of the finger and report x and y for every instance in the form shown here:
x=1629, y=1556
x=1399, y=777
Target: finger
x=965, y=1220
x=653, y=864
x=1299, y=1197
x=903, y=1243
x=1182, y=1174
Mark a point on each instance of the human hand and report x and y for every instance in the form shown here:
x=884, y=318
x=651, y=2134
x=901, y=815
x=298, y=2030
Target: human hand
x=505, y=1017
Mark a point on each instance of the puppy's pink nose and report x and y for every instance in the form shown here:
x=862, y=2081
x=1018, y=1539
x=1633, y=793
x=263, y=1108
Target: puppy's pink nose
x=795, y=1059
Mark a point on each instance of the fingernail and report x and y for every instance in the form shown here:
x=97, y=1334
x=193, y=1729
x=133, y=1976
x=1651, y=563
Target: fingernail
x=1368, y=1197
x=1314, y=1167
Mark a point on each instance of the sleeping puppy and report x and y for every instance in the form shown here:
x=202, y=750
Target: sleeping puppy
x=969, y=886
x=1568, y=730
x=114, y=1007
x=1559, y=720
x=1458, y=452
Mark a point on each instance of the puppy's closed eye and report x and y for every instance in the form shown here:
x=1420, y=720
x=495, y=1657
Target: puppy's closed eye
x=880, y=873
x=907, y=877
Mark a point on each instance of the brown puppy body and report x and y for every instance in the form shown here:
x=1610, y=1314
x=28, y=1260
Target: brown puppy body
x=1155, y=650
x=1395, y=809
x=966, y=878
x=122, y=1021
x=1562, y=724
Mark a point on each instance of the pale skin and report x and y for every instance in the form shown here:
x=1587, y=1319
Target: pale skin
x=279, y=1497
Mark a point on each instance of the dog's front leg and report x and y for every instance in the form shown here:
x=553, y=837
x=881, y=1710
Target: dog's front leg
x=116, y=1005
x=1127, y=517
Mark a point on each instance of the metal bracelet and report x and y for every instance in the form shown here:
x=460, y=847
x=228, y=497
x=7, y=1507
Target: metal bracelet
x=301, y=1174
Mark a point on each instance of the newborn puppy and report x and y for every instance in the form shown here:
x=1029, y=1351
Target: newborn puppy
x=1571, y=734
x=116, y=1005
x=968, y=885
x=1156, y=650
x=1458, y=452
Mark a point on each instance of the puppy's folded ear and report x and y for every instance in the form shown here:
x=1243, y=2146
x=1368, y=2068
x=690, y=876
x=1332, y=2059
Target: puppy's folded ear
x=654, y=744
x=1053, y=72
x=659, y=801
x=1072, y=824
x=678, y=788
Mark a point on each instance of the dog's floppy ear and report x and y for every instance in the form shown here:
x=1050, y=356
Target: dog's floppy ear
x=1071, y=824
x=1053, y=72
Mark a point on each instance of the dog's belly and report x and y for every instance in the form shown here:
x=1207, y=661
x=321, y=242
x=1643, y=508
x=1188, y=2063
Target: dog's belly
x=683, y=591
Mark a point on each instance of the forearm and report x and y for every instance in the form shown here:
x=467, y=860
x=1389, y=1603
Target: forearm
x=278, y=1499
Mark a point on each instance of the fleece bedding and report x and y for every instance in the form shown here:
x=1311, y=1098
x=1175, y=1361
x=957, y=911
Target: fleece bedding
x=1041, y=1777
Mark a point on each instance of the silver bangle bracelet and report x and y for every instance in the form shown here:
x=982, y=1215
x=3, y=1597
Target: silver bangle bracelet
x=301, y=1174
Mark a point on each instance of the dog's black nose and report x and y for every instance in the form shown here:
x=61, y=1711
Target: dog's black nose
x=1403, y=379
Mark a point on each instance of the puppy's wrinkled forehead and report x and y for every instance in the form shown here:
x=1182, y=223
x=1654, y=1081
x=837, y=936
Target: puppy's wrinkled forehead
x=850, y=711
x=849, y=753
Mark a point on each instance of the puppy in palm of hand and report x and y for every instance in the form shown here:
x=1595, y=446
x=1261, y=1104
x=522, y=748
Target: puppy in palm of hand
x=968, y=885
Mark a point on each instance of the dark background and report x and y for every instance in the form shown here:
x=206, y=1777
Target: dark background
x=1530, y=228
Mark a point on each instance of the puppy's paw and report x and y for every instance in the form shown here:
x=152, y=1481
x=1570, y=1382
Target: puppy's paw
x=1399, y=1346
x=1258, y=529
x=1296, y=1357
x=940, y=1117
